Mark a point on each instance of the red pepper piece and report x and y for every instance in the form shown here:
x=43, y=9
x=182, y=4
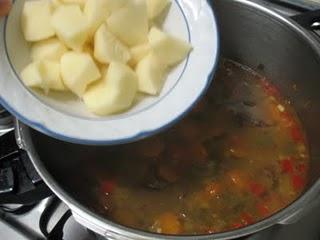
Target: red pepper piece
x=296, y=134
x=107, y=186
x=287, y=165
x=257, y=189
x=297, y=182
x=287, y=117
x=263, y=209
x=270, y=89
x=236, y=225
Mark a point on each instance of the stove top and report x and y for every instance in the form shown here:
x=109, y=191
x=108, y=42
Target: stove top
x=30, y=225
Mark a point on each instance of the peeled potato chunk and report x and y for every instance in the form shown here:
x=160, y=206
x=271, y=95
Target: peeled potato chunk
x=155, y=7
x=138, y=52
x=114, y=93
x=96, y=12
x=108, y=48
x=81, y=3
x=70, y=25
x=130, y=23
x=31, y=75
x=50, y=49
x=50, y=72
x=114, y=5
x=35, y=20
x=169, y=50
x=78, y=70
x=56, y=3
x=151, y=75
x=44, y=75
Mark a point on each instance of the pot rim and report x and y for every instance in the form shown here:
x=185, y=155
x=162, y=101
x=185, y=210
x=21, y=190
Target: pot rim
x=25, y=142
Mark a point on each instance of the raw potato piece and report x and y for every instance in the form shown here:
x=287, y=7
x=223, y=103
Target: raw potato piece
x=70, y=25
x=44, y=75
x=169, y=50
x=50, y=49
x=96, y=12
x=130, y=23
x=108, y=48
x=151, y=75
x=139, y=52
x=50, y=72
x=35, y=20
x=78, y=70
x=56, y=3
x=79, y=2
x=155, y=7
x=114, y=5
x=114, y=93
x=31, y=75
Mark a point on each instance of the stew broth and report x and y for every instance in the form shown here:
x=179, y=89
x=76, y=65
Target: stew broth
x=240, y=156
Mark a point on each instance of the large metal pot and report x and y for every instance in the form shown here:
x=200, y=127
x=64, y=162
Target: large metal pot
x=251, y=34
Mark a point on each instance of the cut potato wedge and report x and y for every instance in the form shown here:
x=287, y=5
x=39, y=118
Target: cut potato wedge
x=50, y=72
x=44, y=75
x=155, y=7
x=139, y=52
x=96, y=12
x=130, y=23
x=70, y=25
x=78, y=70
x=50, y=49
x=169, y=50
x=114, y=93
x=81, y=3
x=107, y=48
x=114, y=5
x=31, y=75
x=35, y=20
x=151, y=75
x=56, y=3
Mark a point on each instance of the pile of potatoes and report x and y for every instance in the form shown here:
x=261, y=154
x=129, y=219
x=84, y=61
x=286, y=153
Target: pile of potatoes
x=104, y=51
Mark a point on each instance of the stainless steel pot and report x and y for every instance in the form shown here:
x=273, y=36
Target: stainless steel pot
x=251, y=34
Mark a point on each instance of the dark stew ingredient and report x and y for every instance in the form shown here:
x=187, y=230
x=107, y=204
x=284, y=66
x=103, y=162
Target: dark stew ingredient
x=238, y=157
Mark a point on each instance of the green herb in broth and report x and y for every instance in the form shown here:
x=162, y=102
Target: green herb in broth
x=240, y=156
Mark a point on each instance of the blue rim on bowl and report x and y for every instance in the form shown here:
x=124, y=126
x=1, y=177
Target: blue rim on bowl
x=120, y=140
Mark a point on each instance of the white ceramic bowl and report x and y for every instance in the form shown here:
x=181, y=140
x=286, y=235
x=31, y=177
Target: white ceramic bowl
x=65, y=117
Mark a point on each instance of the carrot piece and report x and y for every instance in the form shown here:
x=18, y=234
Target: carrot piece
x=168, y=223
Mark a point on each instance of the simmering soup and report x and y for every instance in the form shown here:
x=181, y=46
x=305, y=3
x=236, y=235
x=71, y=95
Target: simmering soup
x=238, y=157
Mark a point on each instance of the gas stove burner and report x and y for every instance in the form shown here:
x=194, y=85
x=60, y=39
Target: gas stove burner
x=19, y=181
x=6, y=121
